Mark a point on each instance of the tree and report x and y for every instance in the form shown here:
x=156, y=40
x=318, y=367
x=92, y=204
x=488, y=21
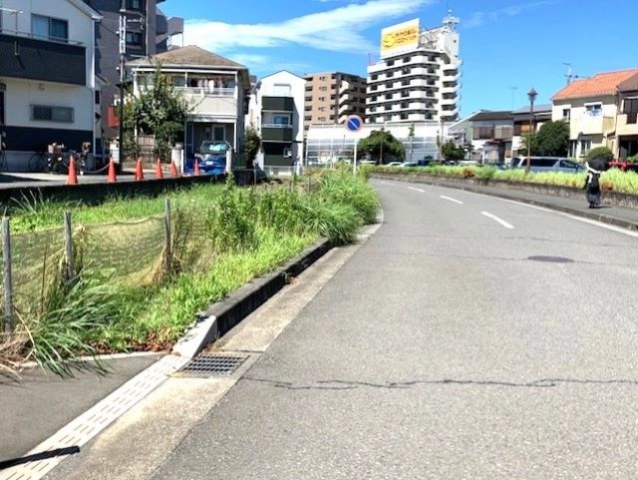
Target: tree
x=452, y=151
x=529, y=139
x=158, y=110
x=252, y=142
x=381, y=141
x=553, y=139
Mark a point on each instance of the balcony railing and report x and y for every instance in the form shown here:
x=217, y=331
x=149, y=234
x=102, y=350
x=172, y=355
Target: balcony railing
x=271, y=132
x=31, y=58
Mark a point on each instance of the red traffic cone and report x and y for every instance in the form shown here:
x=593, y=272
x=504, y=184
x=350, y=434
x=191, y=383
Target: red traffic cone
x=72, y=178
x=196, y=170
x=139, y=171
x=112, y=178
x=174, y=172
x=159, y=173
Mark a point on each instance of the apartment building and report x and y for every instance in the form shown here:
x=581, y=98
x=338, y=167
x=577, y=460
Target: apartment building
x=147, y=31
x=47, y=76
x=595, y=110
x=332, y=96
x=276, y=111
x=217, y=88
x=417, y=77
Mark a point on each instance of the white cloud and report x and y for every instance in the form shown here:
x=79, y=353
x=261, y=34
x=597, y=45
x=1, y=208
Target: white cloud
x=478, y=19
x=340, y=29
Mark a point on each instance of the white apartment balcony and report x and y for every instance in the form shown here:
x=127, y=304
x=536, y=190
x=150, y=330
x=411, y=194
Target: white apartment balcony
x=586, y=124
x=417, y=82
x=424, y=71
x=449, y=101
x=446, y=88
x=221, y=102
x=344, y=108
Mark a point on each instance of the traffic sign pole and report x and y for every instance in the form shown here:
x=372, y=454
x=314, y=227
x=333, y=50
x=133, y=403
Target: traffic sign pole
x=354, y=124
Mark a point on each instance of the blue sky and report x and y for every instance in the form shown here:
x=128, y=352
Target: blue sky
x=507, y=46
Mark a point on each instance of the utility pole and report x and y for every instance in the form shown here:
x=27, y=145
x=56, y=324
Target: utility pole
x=122, y=50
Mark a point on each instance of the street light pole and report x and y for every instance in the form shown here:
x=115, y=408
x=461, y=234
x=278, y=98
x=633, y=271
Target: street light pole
x=532, y=96
x=122, y=34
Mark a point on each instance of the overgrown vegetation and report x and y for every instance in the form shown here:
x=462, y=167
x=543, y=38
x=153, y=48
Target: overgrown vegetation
x=223, y=237
x=611, y=180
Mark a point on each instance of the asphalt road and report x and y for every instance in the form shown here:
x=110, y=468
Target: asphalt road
x=469, y=338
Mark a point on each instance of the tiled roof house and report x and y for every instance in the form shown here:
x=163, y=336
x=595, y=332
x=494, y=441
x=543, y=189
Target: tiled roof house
x=590, y=106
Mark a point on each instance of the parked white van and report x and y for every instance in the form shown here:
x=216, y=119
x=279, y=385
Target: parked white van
x=549, y=164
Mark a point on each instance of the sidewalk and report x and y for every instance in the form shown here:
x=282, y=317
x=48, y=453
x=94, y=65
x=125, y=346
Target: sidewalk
x=37, y=408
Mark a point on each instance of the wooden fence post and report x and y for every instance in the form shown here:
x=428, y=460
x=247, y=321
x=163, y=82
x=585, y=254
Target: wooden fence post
x=68, y=244
x=7, y=279
x=167, y=235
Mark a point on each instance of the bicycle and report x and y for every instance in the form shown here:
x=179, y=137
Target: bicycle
x=39, y=162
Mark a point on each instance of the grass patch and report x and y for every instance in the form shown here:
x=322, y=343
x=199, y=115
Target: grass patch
x=131, y=292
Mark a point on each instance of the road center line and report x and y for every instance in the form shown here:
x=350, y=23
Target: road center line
x=444, y=197
x=416, y=189
x=495, y=218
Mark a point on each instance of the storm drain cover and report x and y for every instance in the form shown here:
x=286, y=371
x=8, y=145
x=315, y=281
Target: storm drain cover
x=544, y=258
x=213, y=364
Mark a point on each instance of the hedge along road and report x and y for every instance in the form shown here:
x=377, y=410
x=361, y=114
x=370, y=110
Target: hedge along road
x=470, y=337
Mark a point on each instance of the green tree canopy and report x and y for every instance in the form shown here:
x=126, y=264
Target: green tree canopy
x=381, y=143
x=604, y=153
x=252, y=142
x=157, y=110
x=553, y=139
x=452, y=151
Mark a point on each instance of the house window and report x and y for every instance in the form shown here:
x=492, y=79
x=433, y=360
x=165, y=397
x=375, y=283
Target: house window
x=133, y=38
x=322, y=99
x=631, y=110
x=566, y=114
x=322, y=109
x=594, y=109
x=133, y=4
x=585, y=146
x=390, y=63
x=52, y=114
x=49, y=28
x=404, y=116
x=219, y=134
x=323, y=89
x=374, y=76
x=406, y=59
x=281, y=120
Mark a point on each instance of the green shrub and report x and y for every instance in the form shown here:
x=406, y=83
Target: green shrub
x=633, y=158
x=603, y=153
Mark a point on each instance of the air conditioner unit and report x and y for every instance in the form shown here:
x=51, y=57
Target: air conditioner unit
x=287, y=153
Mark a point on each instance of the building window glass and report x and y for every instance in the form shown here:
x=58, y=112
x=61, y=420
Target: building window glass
x=49, y=28
x=134, y=4
x=594, y=109
x=133, y=38
x=52, y=114
x=631, y=110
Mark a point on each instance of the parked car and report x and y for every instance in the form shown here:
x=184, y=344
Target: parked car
x=549, y=164
x=393, y=164
x=211, y=156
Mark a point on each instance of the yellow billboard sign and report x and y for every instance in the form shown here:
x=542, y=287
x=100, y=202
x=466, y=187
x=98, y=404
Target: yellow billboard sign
x=401, y=37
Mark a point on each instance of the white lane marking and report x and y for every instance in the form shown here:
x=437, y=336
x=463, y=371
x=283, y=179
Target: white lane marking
x=499, y=220
x=445, y=197
x=416, y=189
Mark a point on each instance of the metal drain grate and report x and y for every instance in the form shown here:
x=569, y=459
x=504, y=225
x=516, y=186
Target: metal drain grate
x=213, y=364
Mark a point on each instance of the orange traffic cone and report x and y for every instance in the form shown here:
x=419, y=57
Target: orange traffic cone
x=196, y=170
x=112, y=178
x=139, y=171
x=174, y=172
x=159, y=173
x=72, y=178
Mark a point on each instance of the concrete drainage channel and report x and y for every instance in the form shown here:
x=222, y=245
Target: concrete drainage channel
x=186, y=359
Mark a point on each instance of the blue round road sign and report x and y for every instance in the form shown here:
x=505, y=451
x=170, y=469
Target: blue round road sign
x=354, y=123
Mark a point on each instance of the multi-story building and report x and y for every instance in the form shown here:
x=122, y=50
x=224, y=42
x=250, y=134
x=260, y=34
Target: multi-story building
x=276, y=111
x=591, y=107
x=627, y=119
x=217, y=88
x=417, y=76
x=47, y=76
x=147, y=31
x=332, y=96
x=528, y=120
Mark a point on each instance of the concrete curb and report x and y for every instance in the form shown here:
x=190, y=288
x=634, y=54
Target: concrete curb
x=596, y=215
x=219, y=318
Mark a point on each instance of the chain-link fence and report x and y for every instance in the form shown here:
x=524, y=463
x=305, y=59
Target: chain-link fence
x=125, y=254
